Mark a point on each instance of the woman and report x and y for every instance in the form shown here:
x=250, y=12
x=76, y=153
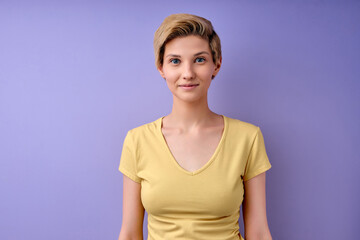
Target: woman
x=192, y=169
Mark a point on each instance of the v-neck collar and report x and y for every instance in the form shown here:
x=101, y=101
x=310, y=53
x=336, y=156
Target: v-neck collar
x=207, y=164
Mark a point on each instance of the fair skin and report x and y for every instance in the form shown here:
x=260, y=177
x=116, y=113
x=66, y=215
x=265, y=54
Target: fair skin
x=192, y=132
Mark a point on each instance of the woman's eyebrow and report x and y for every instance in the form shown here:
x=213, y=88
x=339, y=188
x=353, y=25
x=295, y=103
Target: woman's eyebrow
x=199, y=53
x=172, y=55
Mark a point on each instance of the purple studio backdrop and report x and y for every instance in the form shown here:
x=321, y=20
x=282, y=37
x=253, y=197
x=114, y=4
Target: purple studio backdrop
x=76, y=75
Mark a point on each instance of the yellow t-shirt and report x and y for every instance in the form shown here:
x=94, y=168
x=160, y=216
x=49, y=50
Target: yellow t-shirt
x=203, y=204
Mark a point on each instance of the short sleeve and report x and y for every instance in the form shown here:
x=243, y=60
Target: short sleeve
x=128, y=159
x=258, y=161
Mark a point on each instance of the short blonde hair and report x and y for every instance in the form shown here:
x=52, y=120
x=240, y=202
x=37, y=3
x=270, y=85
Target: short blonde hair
x=181, y=25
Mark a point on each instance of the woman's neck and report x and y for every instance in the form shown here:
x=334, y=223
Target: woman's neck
x=190, y=115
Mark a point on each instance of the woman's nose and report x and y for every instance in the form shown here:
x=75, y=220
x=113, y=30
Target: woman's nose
x=188, y=71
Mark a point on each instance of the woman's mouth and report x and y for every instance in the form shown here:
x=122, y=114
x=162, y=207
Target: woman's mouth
x=188, y=86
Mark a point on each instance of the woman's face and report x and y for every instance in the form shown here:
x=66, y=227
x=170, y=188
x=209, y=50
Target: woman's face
x=188, y=67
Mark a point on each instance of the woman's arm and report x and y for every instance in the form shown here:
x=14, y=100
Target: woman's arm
x=254, y=209
x=133, y=211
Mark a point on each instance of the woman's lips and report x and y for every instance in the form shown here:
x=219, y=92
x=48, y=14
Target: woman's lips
x=188, y=86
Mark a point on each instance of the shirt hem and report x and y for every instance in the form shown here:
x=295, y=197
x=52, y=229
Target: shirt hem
x=261, y=170
x=128, y=174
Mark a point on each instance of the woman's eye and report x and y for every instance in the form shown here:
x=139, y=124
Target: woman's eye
x=175, y=61
x=199, y=60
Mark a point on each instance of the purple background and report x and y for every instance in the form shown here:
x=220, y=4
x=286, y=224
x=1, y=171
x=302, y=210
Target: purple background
x=76, y=75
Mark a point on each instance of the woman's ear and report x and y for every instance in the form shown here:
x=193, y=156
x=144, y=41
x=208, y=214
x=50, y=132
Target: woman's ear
x=217, y=67
x=160, y=69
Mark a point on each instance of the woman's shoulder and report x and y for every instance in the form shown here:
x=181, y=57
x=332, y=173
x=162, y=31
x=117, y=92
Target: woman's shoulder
x=237, y=126
x=147, y=129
